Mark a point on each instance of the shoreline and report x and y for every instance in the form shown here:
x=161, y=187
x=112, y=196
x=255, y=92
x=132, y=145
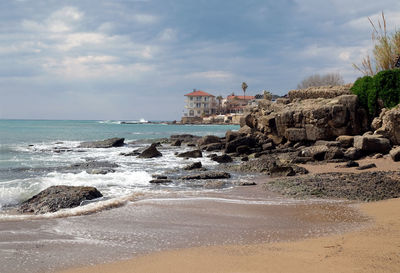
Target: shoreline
x=372, y=249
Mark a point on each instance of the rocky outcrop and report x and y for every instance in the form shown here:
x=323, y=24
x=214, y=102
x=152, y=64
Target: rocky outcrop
x=326, y=92
x=55, y=198
x=194, y=165
x=209, y=175
x=307, y=120
x=191, y=154
x=210, y=139
x=150, y=152
x=395, y=154
x=184, y=138
x=372, y=144
x=388, y=124
x=108, y=143
x=222, y=158
x=248, y=141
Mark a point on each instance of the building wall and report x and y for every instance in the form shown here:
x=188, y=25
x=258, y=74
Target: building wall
x=197, y=106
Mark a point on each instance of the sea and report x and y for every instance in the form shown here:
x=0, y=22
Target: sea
x=36, y=154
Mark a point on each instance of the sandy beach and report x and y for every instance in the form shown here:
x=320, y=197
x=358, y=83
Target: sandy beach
x=372, y=249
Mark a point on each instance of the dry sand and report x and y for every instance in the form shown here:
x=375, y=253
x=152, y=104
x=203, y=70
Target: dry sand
x=373, y=249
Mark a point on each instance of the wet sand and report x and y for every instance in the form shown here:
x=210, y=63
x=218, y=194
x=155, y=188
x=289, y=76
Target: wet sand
x=372, y=249
x=239, y=216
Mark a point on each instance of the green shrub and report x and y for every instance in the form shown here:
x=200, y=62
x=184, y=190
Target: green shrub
x=384, y=86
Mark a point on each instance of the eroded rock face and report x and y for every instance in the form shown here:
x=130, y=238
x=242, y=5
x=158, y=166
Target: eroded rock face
x=309, y=119
x=55, y=198
x=372, y=144
x=108, y=143
x=388, y=124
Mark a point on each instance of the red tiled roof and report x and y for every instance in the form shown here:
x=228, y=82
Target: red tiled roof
x=199, y=93
x=240, y=97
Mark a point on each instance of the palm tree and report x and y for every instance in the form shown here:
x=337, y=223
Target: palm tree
x=244, y=87
x=219, y=98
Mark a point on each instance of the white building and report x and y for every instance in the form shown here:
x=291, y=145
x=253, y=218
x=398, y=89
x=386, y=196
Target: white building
x=199, y=104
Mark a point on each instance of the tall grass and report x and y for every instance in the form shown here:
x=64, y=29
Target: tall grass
x=386, y=49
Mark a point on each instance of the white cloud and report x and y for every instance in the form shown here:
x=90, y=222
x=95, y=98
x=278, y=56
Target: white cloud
x=212, y=75
x=145, y=18
x=168, y=34
x=362, y=23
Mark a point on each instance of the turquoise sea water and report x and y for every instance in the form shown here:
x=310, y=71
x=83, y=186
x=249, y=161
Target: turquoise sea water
x=29, y=163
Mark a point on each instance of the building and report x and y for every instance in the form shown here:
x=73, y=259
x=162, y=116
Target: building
x=199, y=104
x=236, y=104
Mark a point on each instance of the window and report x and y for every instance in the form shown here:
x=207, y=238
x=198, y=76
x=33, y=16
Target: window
x=198, y=105
x=198, y=112
x=191, y=113
x=191, y=98
x=191, y=104
x=205, y=98
x=198, y=98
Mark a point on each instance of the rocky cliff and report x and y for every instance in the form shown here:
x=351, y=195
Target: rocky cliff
x=306, y=119
x=325, y=92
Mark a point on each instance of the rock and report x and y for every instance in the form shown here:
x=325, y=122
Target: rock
x=268, y=146
x=209, y=175
x=208, y=140
x=388, y=124
x=372, y=144
x=55, y=198
x=231, y=135
x=191, y=145
x=377, y=155
x=334, y=153
x=160, y=181
x=214, y=185
x=353, y=153
x=368, y=166
x=100, y=171
x=278, y=171
x=92, y=165
x=247, y=183
x=108, y=143
x=296, y=134
x=232, y=145
x=195, y=165
x=176, y=143
x=245, y=158
x=133, y=153
x=159, y=176
x=214, y=147
x=352, y=164
x=395, y=154
x=184, y=138
x=191, y=154
x=222, y=158
x=150, y=152
x=315, y=152
x=345, y=141
x=328, y=143
x=244, y=149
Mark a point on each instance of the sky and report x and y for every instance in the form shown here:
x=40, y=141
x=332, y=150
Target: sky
x=132, y=59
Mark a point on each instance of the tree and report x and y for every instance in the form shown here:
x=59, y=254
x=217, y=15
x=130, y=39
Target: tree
x=318, y=80
x=244, y=87
x=219, y=98
x=385, y=52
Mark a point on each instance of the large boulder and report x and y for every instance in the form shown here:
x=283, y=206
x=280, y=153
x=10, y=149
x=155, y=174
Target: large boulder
x=191, y=154
x=345, y=141
x=208, y=140
x=108, y=143
x=55, y=198
x=388, y=124
x=151, y=152
x=209, y=175
x=222, y=158
x=395, y=154
x=240, y=141
x=372, y=144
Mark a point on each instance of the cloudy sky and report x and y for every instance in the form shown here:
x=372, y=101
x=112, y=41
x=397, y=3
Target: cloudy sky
x=131, y=59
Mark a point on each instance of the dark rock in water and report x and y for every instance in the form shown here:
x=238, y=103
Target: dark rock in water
x=159, y=176
x=108, y=143
x=191, y=145
x=176, y=143
x=93, y=165
x=210, y=175
x=151, y=152
x=245, y=158
x=100, y=171
x=191, y=154
x=222, y=158
x=247, y=183
x=31, y=145
x=352, y=164
x=195, y=165
x=208, y=140
x=160, y=181
x=55, y=198
x=133, y=153
x=368, y=166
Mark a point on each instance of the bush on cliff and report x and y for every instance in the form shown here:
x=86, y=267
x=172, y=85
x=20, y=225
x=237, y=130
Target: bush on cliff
x=384, y=86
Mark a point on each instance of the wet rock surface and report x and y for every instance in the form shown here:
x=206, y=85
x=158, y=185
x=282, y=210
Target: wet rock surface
x=366, y=186
x=208, y=175
x=151, y=152
x=55, y=198
x=108, y=143
x=191, y=154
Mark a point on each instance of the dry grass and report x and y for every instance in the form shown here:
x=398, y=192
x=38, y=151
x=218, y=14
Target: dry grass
x=385, y=52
